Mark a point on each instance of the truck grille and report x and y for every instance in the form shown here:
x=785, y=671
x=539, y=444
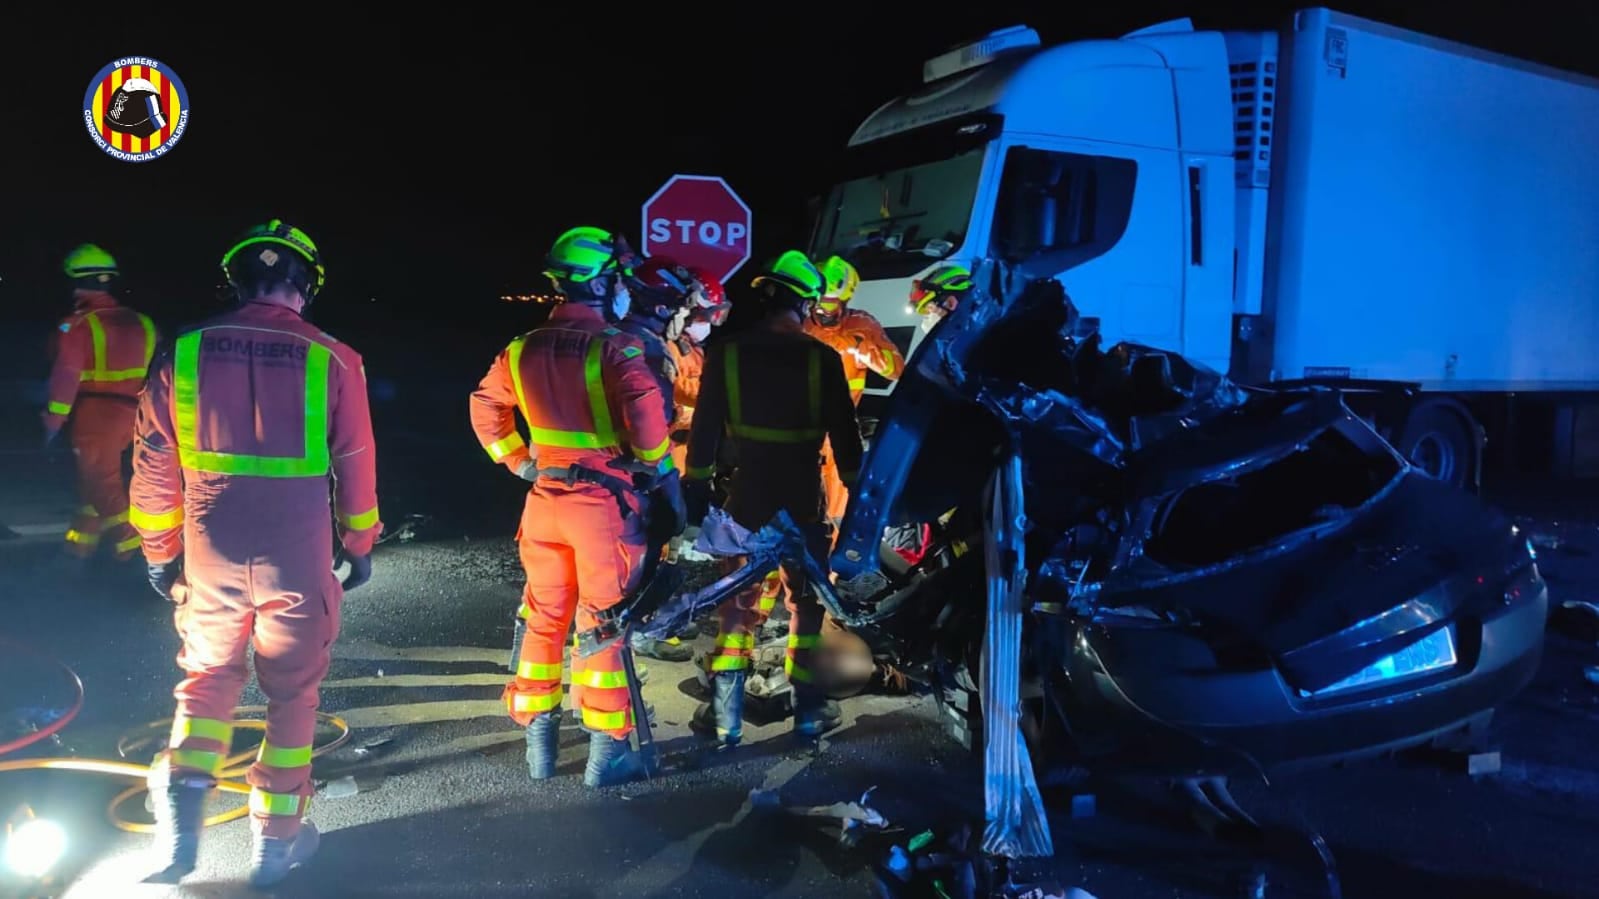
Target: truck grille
x=1254, y=84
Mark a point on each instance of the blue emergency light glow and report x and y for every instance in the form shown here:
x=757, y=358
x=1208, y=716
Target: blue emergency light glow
x=1434, y=652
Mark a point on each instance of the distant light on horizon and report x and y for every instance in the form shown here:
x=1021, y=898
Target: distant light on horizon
x=530, y=298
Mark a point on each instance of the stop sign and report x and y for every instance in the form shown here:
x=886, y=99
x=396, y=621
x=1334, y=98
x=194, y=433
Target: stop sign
x=698, y=221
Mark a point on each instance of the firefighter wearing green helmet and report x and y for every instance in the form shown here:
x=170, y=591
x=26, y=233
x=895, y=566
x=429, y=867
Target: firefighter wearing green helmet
x=254, y=455
x=603, y=492
x=99, y=356
x=774, y=393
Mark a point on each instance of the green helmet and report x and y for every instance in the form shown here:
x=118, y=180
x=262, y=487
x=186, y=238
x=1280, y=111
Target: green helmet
x=945, y=280
x=585, y=253
x=281, y=234
x=90, y=263
x=795, y=272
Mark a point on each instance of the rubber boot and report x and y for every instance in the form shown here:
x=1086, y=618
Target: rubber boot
x=179, y=817
x=274, y=858
x=724, y=715
x=611, y=761
x=814, y=713
x=543, y=745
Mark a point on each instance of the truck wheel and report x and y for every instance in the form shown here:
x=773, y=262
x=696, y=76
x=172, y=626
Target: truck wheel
x=1438, y=441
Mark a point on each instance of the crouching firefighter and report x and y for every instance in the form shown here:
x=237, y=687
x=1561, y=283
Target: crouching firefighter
x=239, y=427
x=595, y=419
x=775, y=394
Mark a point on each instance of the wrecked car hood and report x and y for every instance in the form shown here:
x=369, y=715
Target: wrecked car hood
x=1326, y=604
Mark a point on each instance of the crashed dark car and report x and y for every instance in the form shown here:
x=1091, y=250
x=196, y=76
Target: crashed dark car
x=1216, y=579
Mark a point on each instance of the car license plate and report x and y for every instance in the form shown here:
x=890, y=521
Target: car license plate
x=1434, y=652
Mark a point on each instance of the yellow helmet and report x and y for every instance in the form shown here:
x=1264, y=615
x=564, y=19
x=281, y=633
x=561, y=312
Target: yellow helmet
x=842, y=279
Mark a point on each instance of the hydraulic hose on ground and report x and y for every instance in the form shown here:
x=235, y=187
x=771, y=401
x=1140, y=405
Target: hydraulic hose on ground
x=234, y=766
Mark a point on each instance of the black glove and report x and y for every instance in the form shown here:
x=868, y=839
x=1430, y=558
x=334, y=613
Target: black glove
x=696, y=501
x=528, y=470
x=164, y=574
x=668, y=514
x=360, y=571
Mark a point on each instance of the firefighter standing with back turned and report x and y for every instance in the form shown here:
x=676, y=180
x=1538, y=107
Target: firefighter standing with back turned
x=595, y=418
x=775, y=394
x=862, y=345
x=100, y=354
x=240, y=425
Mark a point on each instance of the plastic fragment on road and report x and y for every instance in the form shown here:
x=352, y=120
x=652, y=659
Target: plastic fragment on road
x=850, y=815
x=1014, y=808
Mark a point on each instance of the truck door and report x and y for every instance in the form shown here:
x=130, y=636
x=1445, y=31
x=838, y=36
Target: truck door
x=1111, y=217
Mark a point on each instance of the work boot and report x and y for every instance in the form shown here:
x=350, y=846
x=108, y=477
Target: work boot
x=179, y=817
x=611, y=761
x=543, y=745
x=814, y=713
x=724, y=714
x=275, y=857
x=672, y=650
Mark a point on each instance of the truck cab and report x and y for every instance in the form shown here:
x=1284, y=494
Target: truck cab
x=1113, y=160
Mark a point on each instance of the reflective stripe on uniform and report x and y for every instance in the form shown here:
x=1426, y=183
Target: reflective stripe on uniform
x=602, y=436
x=735, y=423
x=794, y=672
x=503, y=447
x=100, y=374
x=283, y=756
x=216, y=729
x=545, y=671
x=82, y=538
x=59, y=408
x=600, y=680
x=598, y=720
x=536, y=702
x=275, y=804
x=154, y=521
x=360, y=521
x=130, y=544
x=804, y=641
x=198, y=759
x=857, y=383
x=701, y=472
x=186, y=399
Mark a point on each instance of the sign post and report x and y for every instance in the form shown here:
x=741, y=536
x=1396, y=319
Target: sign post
x=698, y=220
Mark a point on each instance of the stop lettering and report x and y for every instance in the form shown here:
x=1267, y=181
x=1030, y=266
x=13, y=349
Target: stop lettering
x=698, y=220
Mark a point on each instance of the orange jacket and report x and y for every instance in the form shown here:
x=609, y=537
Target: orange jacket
x=864, y=346
x=688, y=358
x=102, y=347
x=584, y=390
x=775, y=394
x=253, y=408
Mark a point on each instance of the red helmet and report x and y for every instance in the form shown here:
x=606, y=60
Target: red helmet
x=666, y=282
x=710, y=300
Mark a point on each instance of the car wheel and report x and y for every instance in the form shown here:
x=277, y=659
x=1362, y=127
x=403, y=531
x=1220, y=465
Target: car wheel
x=1438, y=442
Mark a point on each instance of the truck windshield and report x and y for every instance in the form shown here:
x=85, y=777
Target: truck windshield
x=895, y=223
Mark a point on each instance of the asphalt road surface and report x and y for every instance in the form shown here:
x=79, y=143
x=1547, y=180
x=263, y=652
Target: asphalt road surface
x=444, y=807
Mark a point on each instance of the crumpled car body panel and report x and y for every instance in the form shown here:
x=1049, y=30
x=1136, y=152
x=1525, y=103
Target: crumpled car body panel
x=1222, y=577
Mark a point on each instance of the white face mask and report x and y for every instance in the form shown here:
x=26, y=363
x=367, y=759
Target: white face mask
x=698, y=331
x=621, y=302
x=929, y=321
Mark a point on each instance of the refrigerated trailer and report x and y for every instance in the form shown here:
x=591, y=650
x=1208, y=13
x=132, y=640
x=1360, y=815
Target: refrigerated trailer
x=1338, y=201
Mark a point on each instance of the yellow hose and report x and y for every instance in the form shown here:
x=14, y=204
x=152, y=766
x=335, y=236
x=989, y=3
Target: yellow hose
x=234, y=766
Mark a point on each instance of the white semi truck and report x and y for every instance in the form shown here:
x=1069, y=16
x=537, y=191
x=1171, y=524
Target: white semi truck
x=1411, y=219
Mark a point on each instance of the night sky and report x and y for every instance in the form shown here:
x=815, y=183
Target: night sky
x=435, y=159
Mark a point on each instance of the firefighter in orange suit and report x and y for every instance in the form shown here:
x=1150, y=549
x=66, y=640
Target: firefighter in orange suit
x=240, y=426
x=597, y=424
x=861, y=344
x=775, y=394
x=708, y=308
x=99, y=355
